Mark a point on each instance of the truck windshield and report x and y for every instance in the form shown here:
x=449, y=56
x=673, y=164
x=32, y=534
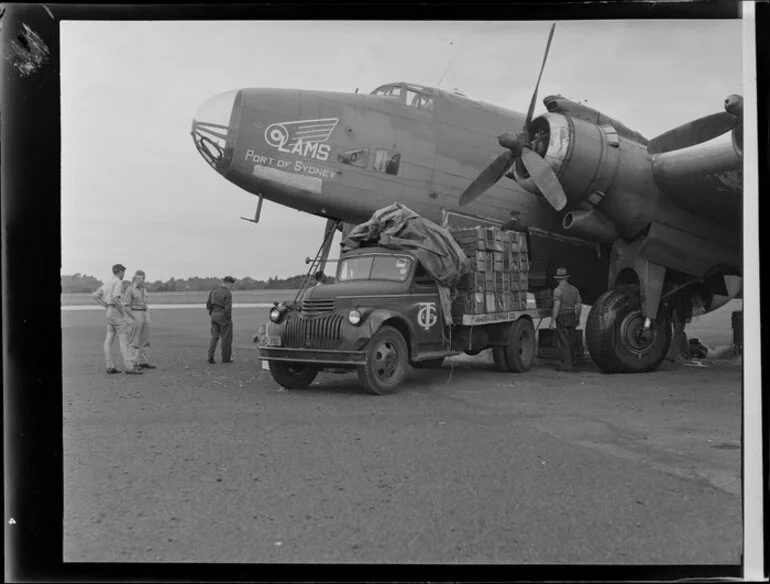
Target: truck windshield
x=374, y=267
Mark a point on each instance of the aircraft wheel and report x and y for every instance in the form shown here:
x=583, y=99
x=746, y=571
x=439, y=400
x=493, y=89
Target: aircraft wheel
x=292, y=375
x=473, y=352
x=499, y=356
x=520, y=350
x=386, y=360
x=429, y=364
x=616, y=337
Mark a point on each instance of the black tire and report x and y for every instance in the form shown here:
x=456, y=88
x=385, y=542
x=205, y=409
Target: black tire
x=474, y=351
x=501, y=362
x=292, y=375
x=614, y=333
x=386, y=360
x=520, y=350
x=429, y=364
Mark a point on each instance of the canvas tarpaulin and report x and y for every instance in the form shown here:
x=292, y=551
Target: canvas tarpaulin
x=398, y=227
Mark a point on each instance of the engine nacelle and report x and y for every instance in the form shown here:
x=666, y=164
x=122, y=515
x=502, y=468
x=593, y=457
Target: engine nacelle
x=584, y=156
x=596, y=167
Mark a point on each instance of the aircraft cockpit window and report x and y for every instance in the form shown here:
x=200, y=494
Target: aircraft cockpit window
x=388, y=91
x=426, y=102
x=358, y=157
x=387, y=161
x=412, y=98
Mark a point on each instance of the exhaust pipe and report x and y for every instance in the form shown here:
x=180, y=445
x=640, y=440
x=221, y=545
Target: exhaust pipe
x=593, y=225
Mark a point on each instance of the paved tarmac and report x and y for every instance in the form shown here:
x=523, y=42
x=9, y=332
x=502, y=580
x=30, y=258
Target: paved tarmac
x=216, y=463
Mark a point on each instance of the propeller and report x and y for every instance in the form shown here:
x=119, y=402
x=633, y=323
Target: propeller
x=700, y=130
x=518, y=147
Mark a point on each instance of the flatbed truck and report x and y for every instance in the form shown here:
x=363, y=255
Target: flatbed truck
x=381, y=315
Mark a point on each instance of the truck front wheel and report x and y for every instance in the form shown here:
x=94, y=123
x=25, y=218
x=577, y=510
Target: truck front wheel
x=386, y=360
x=292, y=375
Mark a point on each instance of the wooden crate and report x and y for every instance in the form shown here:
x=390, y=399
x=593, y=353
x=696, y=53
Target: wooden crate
x=497, y=261
x=468, y=302
x=472, y=282
x=489, y=281
x=491, y=303
x=499, y=277
x=494, y=238
x=523, y=262
x=470, y=237
x=479, y=261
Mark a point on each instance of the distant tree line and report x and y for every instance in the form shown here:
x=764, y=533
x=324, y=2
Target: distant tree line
x=85, y=283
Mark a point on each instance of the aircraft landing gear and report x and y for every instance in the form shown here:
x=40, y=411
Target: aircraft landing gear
x=617, y=336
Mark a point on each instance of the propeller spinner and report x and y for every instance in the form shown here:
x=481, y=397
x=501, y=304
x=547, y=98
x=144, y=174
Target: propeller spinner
x=519, y=148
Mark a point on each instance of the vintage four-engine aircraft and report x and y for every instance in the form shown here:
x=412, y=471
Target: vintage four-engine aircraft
x=645, y=227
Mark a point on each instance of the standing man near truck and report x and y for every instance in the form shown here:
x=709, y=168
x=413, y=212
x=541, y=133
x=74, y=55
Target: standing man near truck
x=565, y=317
x=220, y=307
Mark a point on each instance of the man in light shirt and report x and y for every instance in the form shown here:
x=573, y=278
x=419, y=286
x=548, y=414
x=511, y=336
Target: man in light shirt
x=135, y=307
x=109, y=295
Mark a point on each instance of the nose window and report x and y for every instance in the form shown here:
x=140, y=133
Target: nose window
x=210, y=127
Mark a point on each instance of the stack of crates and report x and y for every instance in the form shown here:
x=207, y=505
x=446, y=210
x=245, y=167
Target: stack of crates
x=498, y=281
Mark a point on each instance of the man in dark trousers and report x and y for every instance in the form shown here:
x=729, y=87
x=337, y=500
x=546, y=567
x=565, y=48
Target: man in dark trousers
x=565, y=317
x=220, y=307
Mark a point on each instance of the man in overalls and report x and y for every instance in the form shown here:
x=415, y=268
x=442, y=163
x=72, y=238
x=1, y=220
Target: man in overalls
x=565, y=317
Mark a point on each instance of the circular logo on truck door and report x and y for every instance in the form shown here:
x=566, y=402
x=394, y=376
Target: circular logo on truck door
x=426, y=316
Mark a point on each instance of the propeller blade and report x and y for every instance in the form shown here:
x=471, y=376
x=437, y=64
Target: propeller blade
x=489, y=176
x=531, y=109
x=544, y=178
x=691, y=133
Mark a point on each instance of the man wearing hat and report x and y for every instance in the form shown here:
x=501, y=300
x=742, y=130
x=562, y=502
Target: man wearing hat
x=565, y=317
x=108, y=295
x=135, y=307
x=220, y=307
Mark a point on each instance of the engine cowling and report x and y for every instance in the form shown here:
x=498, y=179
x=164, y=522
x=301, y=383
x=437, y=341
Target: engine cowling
x=606, y=177
x=584, y=156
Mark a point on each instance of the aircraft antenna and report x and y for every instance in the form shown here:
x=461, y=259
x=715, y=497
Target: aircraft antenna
x=452, y=60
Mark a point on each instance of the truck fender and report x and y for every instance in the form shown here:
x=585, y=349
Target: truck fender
x=375, y=319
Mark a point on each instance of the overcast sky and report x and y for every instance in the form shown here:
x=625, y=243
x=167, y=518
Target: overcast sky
x=135, y=190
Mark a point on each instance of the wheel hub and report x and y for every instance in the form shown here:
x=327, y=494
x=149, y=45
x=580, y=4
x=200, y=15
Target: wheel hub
x=633, y=333
x=386, y=361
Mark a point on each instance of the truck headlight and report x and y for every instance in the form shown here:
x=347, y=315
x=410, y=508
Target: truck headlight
x=275, y=314
x=354, y=317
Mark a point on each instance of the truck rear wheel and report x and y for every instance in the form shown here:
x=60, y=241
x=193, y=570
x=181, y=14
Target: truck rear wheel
x=292, y=375
x=386, y=360
x=520, y=350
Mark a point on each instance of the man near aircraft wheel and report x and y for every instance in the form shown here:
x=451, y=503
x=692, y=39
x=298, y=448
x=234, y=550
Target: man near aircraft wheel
x=109, y=295
x=135, y=307
x=565, y=317
x=220, y=307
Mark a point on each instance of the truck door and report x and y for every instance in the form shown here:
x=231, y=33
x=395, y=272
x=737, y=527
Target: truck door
x=425, y=312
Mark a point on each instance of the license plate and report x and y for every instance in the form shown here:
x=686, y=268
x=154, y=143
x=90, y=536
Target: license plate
x=273, y=341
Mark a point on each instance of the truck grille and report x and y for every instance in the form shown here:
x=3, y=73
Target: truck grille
x=311, y=306
x=317, y=332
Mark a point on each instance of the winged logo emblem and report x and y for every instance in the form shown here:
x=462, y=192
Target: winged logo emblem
x=285, y=135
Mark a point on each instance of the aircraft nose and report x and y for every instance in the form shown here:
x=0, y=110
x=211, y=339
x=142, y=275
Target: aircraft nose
x=214, y=129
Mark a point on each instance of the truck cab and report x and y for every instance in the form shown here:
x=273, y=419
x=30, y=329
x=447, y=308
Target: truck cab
x=382, y=313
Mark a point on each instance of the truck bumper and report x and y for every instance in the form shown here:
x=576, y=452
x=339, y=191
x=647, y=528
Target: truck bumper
x=328, y=357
